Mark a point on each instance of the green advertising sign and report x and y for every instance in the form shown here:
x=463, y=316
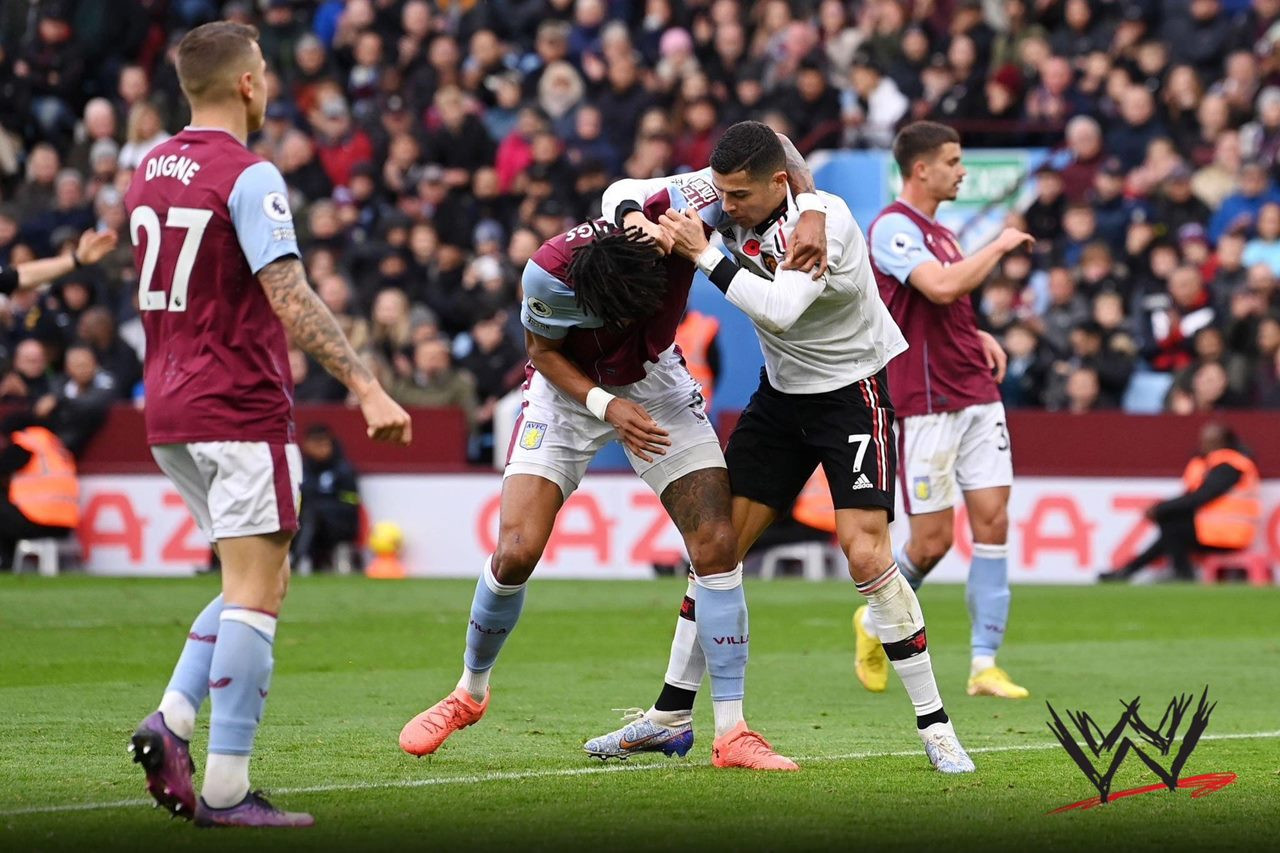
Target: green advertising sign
x=993, y=176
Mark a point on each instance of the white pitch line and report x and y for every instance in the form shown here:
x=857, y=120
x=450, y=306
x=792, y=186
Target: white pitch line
x=594, y=770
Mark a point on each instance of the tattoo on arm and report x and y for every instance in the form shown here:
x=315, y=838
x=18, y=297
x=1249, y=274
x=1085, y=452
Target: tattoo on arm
x=797, y=169
x=697, y=499
x=309, y=323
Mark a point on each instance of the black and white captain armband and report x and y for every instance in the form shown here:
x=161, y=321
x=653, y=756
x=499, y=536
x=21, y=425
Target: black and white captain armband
x=718, y=267
x=8, y=280
x=624, y=207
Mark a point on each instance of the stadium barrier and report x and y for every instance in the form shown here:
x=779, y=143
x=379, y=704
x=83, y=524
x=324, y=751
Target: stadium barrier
x=1077, y=503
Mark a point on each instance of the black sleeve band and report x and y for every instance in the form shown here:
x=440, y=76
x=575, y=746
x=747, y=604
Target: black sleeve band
x=8, y=280
x=623, y=209
x=722, y=275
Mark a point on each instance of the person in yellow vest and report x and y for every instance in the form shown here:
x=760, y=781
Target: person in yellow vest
x=42, y=496
x=696, y=337
x=1220, y=510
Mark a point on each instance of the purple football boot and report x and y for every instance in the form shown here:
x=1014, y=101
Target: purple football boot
x=253, y=810
x=166, y=758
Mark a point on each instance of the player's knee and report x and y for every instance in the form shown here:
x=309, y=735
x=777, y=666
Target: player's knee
x=991, y=529
x=513, y=562
x=868, y=555
x=929, y=550
x=712, y=549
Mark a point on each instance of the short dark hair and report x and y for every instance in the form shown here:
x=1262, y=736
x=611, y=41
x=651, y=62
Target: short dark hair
x=920, y=139
x=210, y=55
x=751, y=147
x=619, y=276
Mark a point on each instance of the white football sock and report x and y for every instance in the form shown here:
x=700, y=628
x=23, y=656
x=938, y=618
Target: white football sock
x=179, y=715
x=981, y=662
x=686, y=664
x=669, y=719
x=475, y=683
x=226, y=780
x=895, y=611
x=868, y=624
x=728, y=714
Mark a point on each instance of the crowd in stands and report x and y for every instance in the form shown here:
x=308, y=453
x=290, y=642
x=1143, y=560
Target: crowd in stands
x=430, y=146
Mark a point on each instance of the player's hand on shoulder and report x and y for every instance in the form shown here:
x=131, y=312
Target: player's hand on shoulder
x=639, y=432
x=94, y=245
x=1012, y=238
x=808, y=249
x=687, y=232
x=385, y=419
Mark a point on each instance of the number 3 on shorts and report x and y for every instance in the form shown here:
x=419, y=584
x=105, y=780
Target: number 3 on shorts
x=862, y=441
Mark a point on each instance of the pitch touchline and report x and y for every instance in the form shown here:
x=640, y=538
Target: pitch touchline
x=595, y=770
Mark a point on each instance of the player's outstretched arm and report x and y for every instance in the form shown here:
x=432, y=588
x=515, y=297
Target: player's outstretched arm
x=944, y=285
x=93, y=247
x=313, y=328
x=638, y=430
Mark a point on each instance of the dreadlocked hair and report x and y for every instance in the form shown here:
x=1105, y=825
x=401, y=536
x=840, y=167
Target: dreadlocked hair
x=619, y=276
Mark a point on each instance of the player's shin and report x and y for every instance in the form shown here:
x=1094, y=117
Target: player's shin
x=189, y=684
x=987, y=594
x=495, y=610
x=239, y=677
x=685, y=668
x=899, y=624
x=723, y=635
x=913, y=573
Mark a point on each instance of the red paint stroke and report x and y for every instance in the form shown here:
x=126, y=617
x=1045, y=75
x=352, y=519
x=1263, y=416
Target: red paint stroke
x=1203, y=785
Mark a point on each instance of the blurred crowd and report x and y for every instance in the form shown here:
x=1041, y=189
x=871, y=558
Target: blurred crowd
x=431, y=145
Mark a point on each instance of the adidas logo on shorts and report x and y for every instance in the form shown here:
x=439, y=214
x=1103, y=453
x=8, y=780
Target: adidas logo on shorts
x=862, y=483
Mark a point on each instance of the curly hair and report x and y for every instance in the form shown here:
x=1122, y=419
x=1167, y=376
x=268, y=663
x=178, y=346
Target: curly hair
x=620, y=276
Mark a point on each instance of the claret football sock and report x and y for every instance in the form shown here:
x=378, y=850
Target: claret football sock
x=189, y=684
x=899, y=624
x=495, y=610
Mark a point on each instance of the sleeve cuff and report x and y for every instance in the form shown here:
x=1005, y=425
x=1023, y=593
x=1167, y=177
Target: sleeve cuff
x=718, y=267
x=625, y=207
x=806, y=202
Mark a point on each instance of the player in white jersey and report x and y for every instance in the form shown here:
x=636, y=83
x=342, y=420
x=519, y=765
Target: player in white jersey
x=822, y=400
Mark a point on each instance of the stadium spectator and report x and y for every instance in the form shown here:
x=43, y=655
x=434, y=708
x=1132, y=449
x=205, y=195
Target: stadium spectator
x=431, y=379
x=97, y=328
x=30, y=379
x=330, y=509
x=145, y=131
x=77, y=406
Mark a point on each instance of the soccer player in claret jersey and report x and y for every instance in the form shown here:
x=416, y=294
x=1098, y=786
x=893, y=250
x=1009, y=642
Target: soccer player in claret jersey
x=220, y=284
x=822, y=400
x=601, y=307
x=952, y=435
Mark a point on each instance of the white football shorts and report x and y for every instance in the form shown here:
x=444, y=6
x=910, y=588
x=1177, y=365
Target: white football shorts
x=555, y=437
x=236, y=488
x=943, y=455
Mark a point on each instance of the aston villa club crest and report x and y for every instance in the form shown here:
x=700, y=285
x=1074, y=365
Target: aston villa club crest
x=920, y=487
x=531, y=437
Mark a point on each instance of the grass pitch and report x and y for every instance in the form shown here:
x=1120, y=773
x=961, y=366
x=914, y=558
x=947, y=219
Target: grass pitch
x=83, y=659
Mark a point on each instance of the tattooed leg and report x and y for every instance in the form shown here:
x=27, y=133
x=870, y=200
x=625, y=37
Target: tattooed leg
x=698, y=503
